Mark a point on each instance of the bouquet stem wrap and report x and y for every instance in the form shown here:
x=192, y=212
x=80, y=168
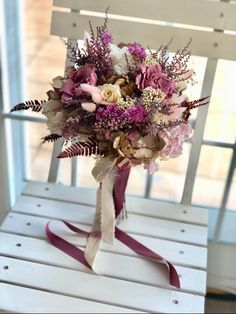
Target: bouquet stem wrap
x=110, y=202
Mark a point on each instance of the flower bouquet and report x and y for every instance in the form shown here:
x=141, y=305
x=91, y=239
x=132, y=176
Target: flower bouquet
x=126, y=106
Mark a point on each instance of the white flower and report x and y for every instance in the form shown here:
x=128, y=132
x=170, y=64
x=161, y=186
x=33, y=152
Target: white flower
x=118, y=58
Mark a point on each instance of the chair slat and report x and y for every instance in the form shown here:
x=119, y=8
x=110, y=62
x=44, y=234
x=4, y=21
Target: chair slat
x=45, y=302
x=220, y=15
x=206, y=44
x=178, y=253
x=98, y=288
x=108, y=264
x=198, y=133
x=135, y=205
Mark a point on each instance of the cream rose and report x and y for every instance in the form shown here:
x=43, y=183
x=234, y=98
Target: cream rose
x=110, y=93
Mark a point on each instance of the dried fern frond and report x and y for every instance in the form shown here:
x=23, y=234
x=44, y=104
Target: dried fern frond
x=87, y=148
x=195, y=103
x=51, y=138
x=34, y=105
x=189, y=105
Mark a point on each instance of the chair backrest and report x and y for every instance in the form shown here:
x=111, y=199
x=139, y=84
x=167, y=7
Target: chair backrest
x=210, y=24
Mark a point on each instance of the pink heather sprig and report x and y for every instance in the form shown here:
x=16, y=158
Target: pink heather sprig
x=136, y=113
x=133, y=114
x=107, y=38
x=112, y=111
x=137, y=50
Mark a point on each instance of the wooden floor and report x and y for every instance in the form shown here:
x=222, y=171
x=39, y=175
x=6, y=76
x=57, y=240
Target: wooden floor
x=220, y=306
x=36, y=277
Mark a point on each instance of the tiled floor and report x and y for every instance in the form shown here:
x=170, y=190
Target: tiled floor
x=44, y=58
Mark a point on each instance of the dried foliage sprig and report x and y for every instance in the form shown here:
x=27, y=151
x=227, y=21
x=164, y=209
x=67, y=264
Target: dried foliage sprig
x=178, y=65
x=79, y=148
x=51, y=138
x=34, y=105
x=196, y=103
x=153, y=129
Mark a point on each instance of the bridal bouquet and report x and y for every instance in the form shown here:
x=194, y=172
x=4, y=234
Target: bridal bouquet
x=124, y=104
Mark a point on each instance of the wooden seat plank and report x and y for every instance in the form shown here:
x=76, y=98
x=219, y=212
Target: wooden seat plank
x=179, y=253
x=12, y=296
x=112, y=265
x=98, y=288
x=137, y=205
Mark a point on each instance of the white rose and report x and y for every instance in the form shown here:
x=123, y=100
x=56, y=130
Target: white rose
x=118, y=58
x=110, y=93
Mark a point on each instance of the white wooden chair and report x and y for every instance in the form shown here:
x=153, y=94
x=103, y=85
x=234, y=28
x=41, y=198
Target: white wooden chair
x=35, y=276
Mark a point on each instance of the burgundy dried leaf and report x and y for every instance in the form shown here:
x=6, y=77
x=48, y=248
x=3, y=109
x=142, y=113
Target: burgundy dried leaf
x=34, y=105
x=87, y=148
x=51, y=138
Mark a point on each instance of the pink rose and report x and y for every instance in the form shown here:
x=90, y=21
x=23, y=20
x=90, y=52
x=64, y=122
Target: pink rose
x=71, y=88
x=153, y=76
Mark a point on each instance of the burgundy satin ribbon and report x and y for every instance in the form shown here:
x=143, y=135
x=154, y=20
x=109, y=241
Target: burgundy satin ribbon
x=120, y=184
x=121, y=180
x=123, y=237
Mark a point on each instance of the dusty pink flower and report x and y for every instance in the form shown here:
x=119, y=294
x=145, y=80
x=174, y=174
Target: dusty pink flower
x=174, y=139
x=151, y=167
x=94, y=91
x=106, y=38
x=153, y=76
x=71, y=88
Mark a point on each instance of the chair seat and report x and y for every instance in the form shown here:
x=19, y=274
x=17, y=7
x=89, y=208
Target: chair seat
x=36, y=275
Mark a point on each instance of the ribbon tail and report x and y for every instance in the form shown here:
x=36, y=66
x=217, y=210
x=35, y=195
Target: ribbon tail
x=142, y=250
x=65, y=246
x=107, y=208
x=94, y=239
x=121, y=180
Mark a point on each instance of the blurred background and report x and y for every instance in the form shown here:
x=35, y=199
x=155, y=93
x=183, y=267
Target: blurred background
x=40, y=57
